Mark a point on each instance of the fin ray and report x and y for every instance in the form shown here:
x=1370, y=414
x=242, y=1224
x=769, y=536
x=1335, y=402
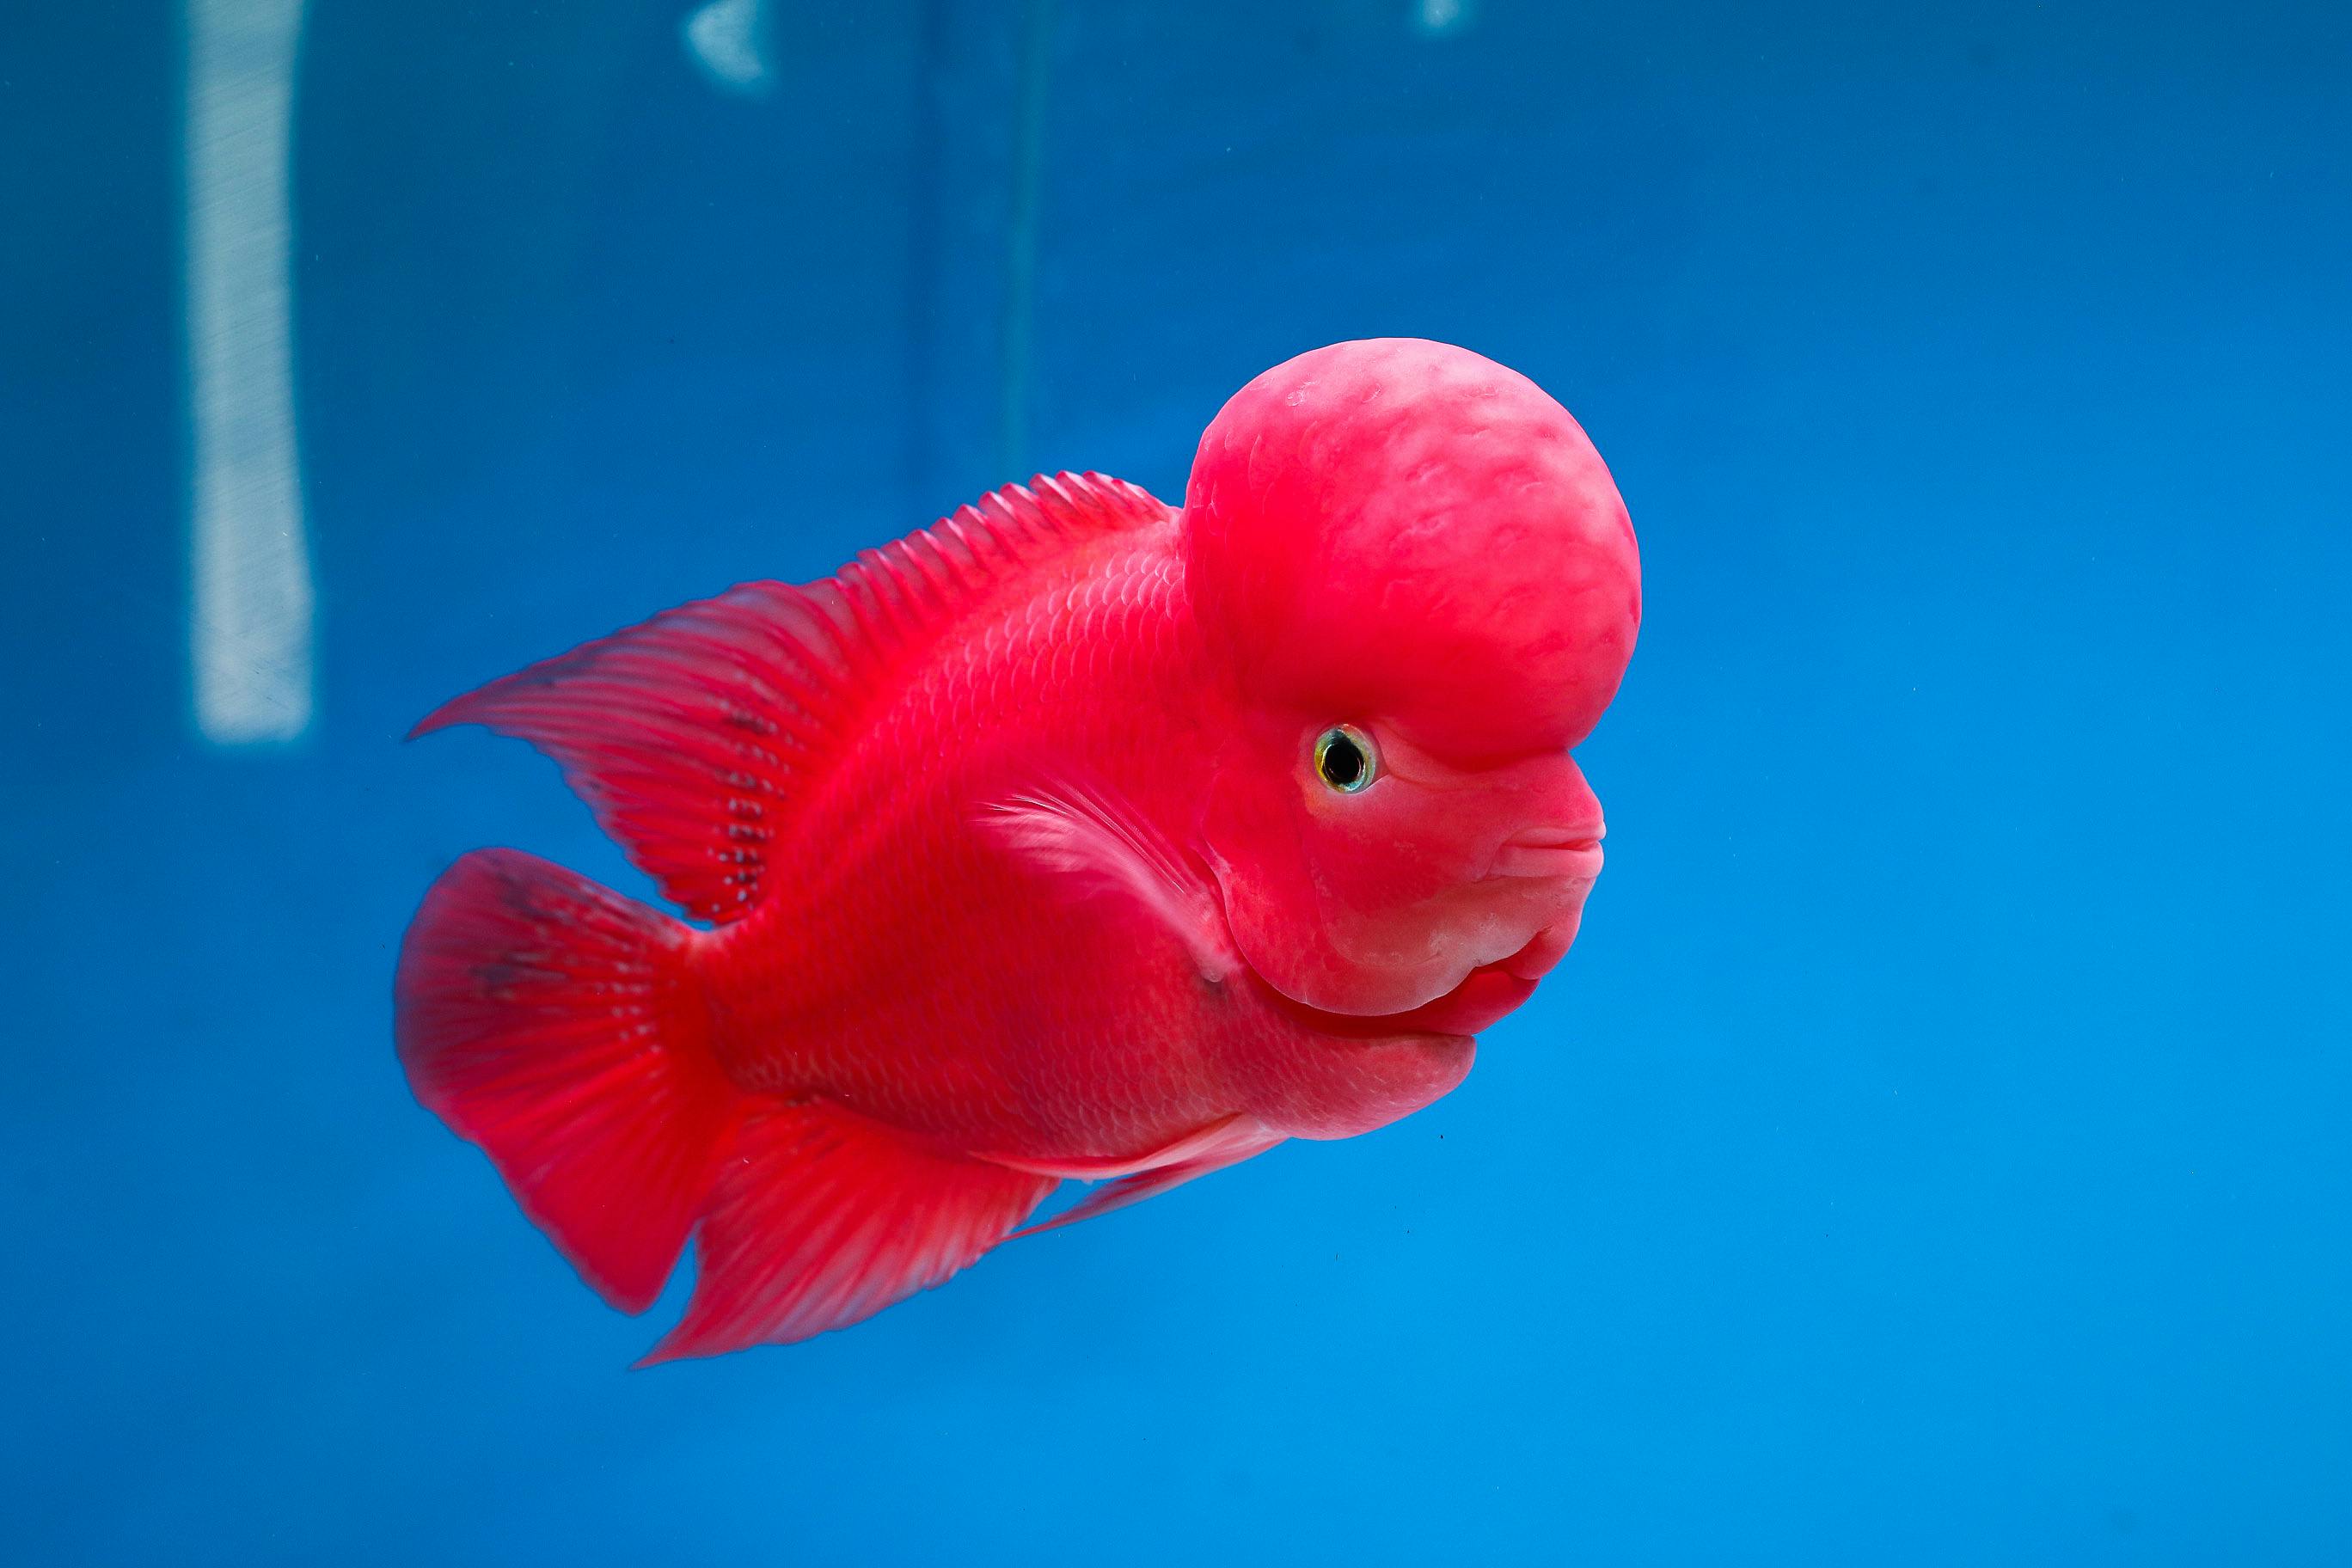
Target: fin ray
x=1235, y=1140
x=1094, y=842
x=554, y=1023
x=820, y=1218
x=692, y=735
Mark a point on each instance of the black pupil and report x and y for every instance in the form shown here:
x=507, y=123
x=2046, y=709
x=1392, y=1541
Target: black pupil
x=1343, y=761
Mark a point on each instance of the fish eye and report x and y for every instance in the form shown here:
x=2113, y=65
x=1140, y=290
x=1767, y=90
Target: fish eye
x=1345, y=758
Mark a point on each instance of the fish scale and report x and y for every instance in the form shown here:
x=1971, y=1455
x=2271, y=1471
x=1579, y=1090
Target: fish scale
x=1113, y=624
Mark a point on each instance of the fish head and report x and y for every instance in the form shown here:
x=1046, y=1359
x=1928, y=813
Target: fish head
x=1417, y=579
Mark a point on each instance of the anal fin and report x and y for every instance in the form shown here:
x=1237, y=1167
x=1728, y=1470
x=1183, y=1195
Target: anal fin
x=820, y=1218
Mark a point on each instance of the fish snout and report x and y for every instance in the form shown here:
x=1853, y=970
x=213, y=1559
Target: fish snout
x=1552, y=854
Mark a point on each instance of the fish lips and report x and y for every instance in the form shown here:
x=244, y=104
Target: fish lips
x=1483, y=997
x=1552, y=855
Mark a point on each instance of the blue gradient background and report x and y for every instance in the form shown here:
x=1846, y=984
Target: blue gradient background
x=1935, y=1151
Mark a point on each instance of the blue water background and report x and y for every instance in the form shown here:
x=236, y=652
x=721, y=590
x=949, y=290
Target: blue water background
x=1935, y=1149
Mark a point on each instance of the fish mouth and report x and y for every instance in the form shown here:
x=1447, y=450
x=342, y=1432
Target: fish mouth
x=1484, y=995
x=1552, y=854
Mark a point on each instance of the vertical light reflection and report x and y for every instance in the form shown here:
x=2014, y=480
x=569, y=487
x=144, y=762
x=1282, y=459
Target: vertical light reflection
x=250, y=619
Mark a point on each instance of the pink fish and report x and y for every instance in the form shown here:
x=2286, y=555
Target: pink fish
x=1074, y=837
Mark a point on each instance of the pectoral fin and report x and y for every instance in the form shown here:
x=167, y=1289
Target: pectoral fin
x=1091, y=842
x=1231, y=1143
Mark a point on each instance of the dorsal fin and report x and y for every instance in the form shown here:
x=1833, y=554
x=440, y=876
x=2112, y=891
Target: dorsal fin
x=690, y=735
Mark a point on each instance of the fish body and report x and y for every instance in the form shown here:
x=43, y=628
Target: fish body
x=941, y=992
x=1075, y=837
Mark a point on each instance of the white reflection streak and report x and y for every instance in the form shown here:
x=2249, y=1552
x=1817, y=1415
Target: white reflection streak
x=1439, y=18
x=726, y=39
x=251, y=622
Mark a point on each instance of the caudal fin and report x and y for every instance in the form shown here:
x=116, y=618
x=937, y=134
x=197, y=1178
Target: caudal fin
x=556, y=1024
x=561, y=1026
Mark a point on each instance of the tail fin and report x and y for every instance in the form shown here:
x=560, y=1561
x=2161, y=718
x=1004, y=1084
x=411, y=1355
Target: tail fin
x=556, y=1025
x=561, y=1026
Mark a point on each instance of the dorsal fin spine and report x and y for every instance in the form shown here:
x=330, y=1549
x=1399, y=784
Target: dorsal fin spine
x=964, y=559
x=918, y=560
x=936, y=557
x=898, y=598
x=885, y=600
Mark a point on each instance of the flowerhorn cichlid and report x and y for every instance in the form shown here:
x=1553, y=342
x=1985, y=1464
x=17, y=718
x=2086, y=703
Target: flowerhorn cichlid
x=1075, y=837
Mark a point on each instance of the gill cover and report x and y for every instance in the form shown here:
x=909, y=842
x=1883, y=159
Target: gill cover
x=1408, y=537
